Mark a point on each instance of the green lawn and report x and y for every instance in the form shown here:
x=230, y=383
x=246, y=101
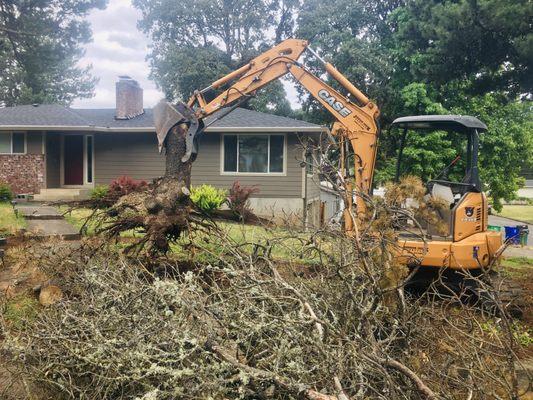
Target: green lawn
x=286, y=245
x=9, y=222
x=78, y=217
x=518, y=212
x=517, y=267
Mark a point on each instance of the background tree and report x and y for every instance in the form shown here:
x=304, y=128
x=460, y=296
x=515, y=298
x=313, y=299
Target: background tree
x=416, y=57
x=194, y=43
x=40, y=44
x=439, y=56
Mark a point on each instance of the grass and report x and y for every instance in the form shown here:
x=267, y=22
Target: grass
x=517, y=267
x=284, y=243
x=518, y=212
x=20, y=310
x=77, y=218
x=10, y=223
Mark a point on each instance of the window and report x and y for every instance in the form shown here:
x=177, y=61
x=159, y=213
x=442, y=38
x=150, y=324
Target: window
x=261, y=154
x=309, y=162
x=12, y=143
x=89, y=150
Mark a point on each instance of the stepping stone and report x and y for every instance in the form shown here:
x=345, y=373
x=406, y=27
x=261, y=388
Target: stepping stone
x=53, y=228
x=38, y=212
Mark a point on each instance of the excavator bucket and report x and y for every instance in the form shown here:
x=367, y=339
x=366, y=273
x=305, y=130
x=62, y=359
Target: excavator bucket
x=167, y=115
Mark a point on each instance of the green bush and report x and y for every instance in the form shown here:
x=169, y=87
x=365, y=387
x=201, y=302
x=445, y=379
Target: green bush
x=207, y=198
x=6, y=194
x=99, y=192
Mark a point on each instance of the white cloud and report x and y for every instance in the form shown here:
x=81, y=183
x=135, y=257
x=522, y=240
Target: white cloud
x=118, y=48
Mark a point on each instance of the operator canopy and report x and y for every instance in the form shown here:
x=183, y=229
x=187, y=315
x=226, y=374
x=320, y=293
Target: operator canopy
x=444, y=122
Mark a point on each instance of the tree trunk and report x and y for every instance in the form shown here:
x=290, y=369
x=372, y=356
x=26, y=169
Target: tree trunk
x=175, y=150
x=171, y=193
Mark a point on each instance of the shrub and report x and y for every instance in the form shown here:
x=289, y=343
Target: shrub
x=6, y=194
x=125, y=185
x=207, y=198
x=100, y=192
x=239, y=199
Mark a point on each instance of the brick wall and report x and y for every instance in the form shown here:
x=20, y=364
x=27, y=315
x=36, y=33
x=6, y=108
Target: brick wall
x=23, y=172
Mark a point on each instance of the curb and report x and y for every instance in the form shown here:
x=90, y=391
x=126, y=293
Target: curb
x=513, y=219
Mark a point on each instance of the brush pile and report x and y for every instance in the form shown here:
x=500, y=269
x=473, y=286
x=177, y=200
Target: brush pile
x=328, y=320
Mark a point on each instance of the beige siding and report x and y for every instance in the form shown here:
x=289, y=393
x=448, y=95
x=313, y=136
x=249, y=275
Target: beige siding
x=34, y=143
x=131, y=154
x=136, y=155
x=53, y=160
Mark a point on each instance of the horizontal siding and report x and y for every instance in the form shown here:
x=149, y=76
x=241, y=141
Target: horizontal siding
x=136, y=155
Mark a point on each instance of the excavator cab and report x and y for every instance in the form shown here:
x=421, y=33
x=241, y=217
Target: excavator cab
x=465, y=242
x=469, y=127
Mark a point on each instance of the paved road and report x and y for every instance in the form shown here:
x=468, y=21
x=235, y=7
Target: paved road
x=502, y=221
x=514, y=251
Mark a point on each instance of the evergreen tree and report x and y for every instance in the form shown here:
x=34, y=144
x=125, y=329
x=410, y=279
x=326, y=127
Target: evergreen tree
x=40, y=45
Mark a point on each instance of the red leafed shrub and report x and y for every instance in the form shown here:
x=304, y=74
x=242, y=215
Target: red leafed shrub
x=125, y=185
x=239, y=199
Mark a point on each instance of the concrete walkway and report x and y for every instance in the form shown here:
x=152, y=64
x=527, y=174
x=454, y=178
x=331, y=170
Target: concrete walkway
x=514, y=251
x=46, y=221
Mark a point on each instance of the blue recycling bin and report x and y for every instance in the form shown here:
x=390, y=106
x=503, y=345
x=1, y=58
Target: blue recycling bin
x=512, y=234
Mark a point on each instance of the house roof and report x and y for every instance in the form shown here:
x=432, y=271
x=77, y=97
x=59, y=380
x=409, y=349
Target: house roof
x=56, y=117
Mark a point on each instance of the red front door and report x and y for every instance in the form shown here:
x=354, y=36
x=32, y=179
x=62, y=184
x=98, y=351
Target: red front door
x=73, y=159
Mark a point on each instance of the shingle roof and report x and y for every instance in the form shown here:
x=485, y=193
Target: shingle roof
x=42, y=115
x=59, y=117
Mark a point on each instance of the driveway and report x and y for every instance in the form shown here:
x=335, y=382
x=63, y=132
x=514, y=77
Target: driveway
x=514, y=251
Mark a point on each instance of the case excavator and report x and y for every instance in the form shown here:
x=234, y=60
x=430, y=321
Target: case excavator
x=468, y=245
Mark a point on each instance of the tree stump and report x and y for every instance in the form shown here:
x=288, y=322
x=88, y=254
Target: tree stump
x=162, y=211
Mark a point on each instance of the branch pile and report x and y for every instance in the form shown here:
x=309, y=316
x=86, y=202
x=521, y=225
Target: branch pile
x=242, y=324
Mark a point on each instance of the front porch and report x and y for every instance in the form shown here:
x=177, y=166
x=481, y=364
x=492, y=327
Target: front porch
x=69, y=163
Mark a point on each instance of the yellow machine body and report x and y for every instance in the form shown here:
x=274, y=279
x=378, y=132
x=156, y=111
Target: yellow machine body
x=470, y=244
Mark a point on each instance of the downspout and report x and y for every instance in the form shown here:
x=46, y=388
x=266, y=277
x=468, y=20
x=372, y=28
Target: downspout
x=304, y=189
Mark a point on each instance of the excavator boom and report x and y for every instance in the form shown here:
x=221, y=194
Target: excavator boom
x=355, y=121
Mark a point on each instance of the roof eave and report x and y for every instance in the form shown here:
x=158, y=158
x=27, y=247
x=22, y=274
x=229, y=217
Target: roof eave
x=267, y=129
x=301, y=129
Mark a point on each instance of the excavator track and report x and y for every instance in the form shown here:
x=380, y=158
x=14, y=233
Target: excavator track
x=504, y=296
x=492, y=292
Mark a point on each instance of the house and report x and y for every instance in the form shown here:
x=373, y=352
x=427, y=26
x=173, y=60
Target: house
x=56, y=152
x=527, y=190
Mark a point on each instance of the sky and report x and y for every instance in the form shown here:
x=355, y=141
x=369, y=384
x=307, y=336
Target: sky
x=119, y=48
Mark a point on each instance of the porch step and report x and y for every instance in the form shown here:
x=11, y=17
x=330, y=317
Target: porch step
x=62, y=194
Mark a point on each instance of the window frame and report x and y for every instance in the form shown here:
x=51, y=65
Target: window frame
x=310, y=169
x=86, y=164
x=10, y=133
x=237, y=173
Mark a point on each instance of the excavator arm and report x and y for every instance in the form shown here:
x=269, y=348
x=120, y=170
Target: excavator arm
x=356, y=121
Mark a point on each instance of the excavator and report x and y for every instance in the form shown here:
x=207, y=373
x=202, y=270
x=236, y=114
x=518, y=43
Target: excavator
x=467, y=245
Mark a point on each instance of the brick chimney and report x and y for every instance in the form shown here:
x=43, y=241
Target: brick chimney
x=129, y=98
